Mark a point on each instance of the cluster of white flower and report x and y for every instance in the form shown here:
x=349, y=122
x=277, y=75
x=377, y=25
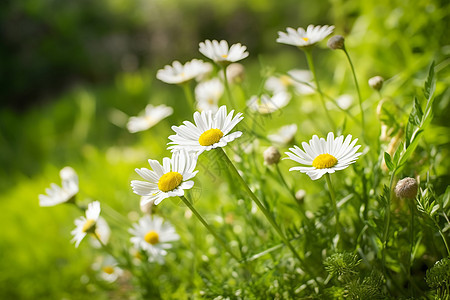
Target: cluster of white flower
x=213, y=127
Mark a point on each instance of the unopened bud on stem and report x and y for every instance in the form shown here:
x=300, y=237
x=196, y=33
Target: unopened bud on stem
x=300, y=195
x=376, y=82
x=336, y=42
x=271, y=155
x=406, y=188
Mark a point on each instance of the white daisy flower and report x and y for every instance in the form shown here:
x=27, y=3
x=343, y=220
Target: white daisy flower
x=108, y=268
x=210, y=131
x=304, y=84
x=208, y=94
x=86, y=224
x=151, y=116
x=295, y=79
x=266, y=104
x=344, y=101
x=67, y=191
x=277, y=84
x=178, y=73
x=303, y=38
x=154, y=236
x=220, y=53
x=284, y=135
x=324, y=156
x=167, y=180
x=102, y=231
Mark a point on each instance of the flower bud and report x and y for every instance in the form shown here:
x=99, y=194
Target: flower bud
x=271, y=155
x=300, y=195
x=406, y=188
x=376, y=82
x=235, y=73
x=336, y=42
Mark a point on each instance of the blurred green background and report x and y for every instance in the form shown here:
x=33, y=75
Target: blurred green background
x=68, y=67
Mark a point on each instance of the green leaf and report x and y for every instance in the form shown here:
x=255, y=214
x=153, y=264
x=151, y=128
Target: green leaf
x=388, y=161
x=416, y=113
x=409, y=132
x=397, y=154
x=411, y=147
x=446, y=197
x=430, y=83
x=414, y=120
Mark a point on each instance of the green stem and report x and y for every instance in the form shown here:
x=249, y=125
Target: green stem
x=264, y=210
x=188, y=94
x=210, y=229
x=357, y=89
x=322, y=99
x=292, y=193
x=442, y=236
x=333, y=200
x=333, y=101
x=411, y=256
x=227, y=88
x=387, y=221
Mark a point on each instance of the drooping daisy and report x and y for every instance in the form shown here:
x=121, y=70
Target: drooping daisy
x=210, y=131
x=284, y=135
x=67, y=191
x=102, y=231
x=277, y=84
x=108, y=268
x=154, y=236
x=344, y=101
x=88, y=224
x=146, y=204
x=151, y=116
x=295, y=79
x=303, y=79
x=235, y=73
x=303, y=38
x=266, y=104
x=220, y=53
x=167, y=180
x=208, y=94
x=324, y=156
x=178, y=73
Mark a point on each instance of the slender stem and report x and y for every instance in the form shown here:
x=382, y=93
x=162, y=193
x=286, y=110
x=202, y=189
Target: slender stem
x=291, y=192
x=387, y=221
x=411, y=256
x=333, y=101
x=188, y=94
x=264, y=210
x=322, y=99
x=357, y=89
x=333, y=200
x=227, y=88
x=210, y=229
x=442, y=236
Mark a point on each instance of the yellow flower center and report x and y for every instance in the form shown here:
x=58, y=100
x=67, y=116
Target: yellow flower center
x=169, y=181
x=89, y=225
x=108, y=269
x=305, y=39
x=210, y=137
x=324, y=161
x=224, y=55
x=152, y=237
